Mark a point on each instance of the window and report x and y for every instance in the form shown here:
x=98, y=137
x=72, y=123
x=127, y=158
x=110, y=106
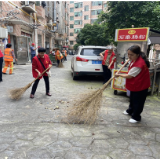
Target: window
x=71, y=9
x=78, y=22
x=71, y=34
x=78, y=5
x=78, y=14
x=71, y=18
x=71, y=42
x=105, y=5
x=86, y=8
x=77, y=30
x=71, y=2
x=96, y=3
x=71, y=25
x=86, y=17
x=91, y=52
x=93, y=20
x=96, y=12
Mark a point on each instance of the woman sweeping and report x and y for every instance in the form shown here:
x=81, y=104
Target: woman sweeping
x=137, y=81
x=39, y=64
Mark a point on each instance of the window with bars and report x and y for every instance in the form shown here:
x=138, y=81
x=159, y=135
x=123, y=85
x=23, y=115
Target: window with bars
x=71, y=42
x=71, y=34
x=39, y=40
x=71, y=25
x=71, y=18
x=96, y=3
x=77, y=30
x=86, y=17
x=96, y=12
x=71, y=9
x=93, y=20
x=77, y=22
x=78, y=14
x=78, y=5
x=86, y=8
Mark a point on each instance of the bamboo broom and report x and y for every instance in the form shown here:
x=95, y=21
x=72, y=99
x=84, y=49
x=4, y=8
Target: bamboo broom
x=18, y=92
x=86, y=109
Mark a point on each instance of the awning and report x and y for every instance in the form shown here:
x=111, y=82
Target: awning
x=65, y=46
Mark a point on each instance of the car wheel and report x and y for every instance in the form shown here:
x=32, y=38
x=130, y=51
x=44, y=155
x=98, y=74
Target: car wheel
x=115, y=92
x=74, y=77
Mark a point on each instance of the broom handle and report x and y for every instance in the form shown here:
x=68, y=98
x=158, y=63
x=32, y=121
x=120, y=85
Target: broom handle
x=106, y=84
x=40, y=75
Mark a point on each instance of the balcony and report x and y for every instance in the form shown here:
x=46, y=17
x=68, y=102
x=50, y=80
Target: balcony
x=40, y=12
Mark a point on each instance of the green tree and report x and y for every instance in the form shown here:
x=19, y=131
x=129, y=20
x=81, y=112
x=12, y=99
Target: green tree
x=93, y=35
x=123, y=14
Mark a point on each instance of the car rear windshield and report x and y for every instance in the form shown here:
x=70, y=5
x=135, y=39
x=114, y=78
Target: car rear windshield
x=91, y=52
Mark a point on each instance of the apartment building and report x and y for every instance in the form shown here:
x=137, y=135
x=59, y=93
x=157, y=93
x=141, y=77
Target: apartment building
x=44, y=23
x=81, y=13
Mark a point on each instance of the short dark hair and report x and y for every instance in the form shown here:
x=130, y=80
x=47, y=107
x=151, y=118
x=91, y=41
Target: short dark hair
x=8, y=45
x=41, y=50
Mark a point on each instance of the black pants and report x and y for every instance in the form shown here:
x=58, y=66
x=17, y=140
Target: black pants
x=137, y=100
x=1, y=63
x=65, y=58
x=32, y=55
x=34, y=87
x=106, y=73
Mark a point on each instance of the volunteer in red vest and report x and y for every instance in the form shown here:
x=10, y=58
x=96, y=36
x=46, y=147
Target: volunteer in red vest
x=108, y=62
x=8, y=59
x=39, y=64
x=137, y=82
x=1, y=63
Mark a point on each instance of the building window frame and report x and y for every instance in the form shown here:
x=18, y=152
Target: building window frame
x=71, y=10
x=78, y=5
x=71, y=42
x=97, y=3
x=71, y=34
x=86, y=8
x=71, y=25
x=71, y=18
x=86, y=17
x=96, y=12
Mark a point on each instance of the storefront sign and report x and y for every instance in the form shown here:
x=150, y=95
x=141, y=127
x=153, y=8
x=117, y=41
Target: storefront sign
x=131, y=34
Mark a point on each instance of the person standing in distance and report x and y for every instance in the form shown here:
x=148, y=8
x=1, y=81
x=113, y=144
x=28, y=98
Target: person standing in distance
x=1, y=63
x=33, y=51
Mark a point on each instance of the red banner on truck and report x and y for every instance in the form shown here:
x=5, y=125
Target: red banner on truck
x=131, y=34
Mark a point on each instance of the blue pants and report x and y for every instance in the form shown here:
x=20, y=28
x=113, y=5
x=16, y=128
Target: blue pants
x=1, y=62
x=32, y=55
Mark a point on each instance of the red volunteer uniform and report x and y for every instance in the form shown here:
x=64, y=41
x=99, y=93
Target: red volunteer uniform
x=105, y=57
x=36, y=64
x=142, y=80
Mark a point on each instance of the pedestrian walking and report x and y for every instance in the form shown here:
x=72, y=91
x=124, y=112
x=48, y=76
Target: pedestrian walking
x=137, y=82
x=65, y=53
x=8, y=59
x=33, y=51
x=39, y=64
x=108, y=62
x=1, y=64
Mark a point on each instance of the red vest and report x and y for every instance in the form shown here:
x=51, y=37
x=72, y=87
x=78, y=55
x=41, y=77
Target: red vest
x=1, y=54
x=142, y=80
x=36, y=64
x=105, y=57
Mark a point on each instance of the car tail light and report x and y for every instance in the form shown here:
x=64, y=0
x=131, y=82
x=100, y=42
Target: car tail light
x=81, y=59
x=97, y=69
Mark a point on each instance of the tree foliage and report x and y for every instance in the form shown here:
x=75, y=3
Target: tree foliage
x=120, y=14
x=93, y=35
x=124, y=14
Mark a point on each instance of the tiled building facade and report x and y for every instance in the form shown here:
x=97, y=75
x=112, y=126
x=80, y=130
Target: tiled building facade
x=41, y=22
x=81, y=13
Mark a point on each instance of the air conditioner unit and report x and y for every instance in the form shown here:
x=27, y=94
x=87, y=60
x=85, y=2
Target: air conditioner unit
x=26, y=3
x=3, y=33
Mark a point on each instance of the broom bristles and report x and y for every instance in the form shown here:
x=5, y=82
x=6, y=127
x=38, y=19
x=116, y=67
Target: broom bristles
x=60, y=65
x=18, y=92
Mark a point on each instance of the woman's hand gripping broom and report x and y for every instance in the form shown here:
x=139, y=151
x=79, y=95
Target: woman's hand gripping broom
x=86, y=109
x=18, y=92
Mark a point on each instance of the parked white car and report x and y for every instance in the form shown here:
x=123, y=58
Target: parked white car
x=87, y=61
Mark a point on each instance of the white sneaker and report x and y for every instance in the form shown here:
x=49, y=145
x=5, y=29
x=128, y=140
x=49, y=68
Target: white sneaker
x=124, y=112
x=132, y=121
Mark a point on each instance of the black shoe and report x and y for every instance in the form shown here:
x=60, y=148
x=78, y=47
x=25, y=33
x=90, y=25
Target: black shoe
x=1, y=81
x=4, y=73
